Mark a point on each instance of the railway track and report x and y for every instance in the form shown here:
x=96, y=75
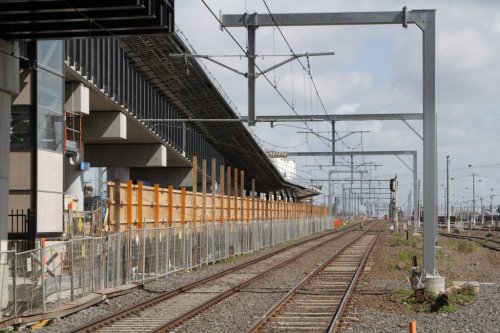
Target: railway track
x=316, y=303
x=490, y=243
x=170, y=309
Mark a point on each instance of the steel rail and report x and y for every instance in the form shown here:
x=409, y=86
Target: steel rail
x=477, y=239
x=333, y=327
x=102, y=322
x=288, y=297
x=195, y=311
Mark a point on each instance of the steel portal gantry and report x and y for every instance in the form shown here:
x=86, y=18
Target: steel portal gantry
x=426, y=21
x=396, y=153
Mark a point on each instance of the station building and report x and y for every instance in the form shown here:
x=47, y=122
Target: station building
x=102, y=91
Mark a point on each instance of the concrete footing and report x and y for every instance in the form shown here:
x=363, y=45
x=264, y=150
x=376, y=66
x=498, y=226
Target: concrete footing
x=5, y=282
x=435, y=284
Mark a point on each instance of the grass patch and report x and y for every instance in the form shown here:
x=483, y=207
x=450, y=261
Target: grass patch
x=435, y=303
x=400, y=240
x=401, y=258
x=236, y=257
x=461, y=245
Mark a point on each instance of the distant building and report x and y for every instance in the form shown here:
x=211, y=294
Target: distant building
x=287, y=167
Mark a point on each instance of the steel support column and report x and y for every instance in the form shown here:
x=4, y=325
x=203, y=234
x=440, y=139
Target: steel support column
x=330, y=192
x=427, y=25
x=416, y=214
x=251, y=74
x=333, y=143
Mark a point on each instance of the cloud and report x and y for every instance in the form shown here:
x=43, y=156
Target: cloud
x=376, y=69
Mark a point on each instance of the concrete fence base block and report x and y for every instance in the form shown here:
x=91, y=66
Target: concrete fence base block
x=435, y=284
x=5, y=285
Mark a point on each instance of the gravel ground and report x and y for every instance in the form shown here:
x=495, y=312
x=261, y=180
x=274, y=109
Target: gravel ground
x=240, y=311
x=374, y=308
x=151, y=289
x=482, y=316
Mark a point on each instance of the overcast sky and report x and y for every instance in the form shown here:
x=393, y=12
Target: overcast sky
x=376, y=69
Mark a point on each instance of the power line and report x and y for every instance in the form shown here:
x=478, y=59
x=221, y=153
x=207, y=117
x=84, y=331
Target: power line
x=260, y=70
x=308, y=69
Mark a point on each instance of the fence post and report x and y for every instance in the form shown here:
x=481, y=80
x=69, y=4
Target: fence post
x=14, y=284
x=253, y=200
x=174, y=236
x=157, y=218
x=222, y=212
x=42, y=276
x=183, y=205
x=228, y=181
x=204, y=191
x=143, y=247
x=170, y=205
x=204, y=205
x=214, y=182
x=72, y=276
x=195, y=187
x=167, y=247
x=129, y=204
x=117, y=203
x=242, y=191
x=139, y=204
x=92, y=256
x=236, y=194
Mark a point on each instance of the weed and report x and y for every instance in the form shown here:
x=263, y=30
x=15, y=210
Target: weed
x=402, y=259
x=397, y=240
x=435, y=303
x=461, y=246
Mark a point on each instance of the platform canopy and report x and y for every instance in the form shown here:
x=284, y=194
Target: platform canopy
x=187, y=85
x=59, y=19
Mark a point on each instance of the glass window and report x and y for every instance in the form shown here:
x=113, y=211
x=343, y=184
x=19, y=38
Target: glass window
x=50, y=91
x=50, y=130
x=20, y=127
x=50, y=96
x=50, y=54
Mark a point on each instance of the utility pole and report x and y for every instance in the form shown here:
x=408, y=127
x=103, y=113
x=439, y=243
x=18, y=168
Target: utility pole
x=394, y=203
x=409, y=208
x=473, y=200
x=343, y=201
x=351, y=202
x=491, y=209
x=448, y=224
x=330, y=192
x=482, y=216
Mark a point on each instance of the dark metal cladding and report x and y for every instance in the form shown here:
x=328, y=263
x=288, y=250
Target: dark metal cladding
x=62, y=19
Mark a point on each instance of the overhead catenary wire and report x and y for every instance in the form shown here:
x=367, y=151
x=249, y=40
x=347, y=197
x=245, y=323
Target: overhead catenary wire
x=308, y=69
x=280, y=94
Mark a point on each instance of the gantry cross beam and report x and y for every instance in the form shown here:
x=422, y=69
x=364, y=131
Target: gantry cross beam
x=426, y=21
x=396, y=153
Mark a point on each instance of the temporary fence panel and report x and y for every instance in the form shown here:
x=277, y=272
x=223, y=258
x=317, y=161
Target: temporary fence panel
x=42, y=279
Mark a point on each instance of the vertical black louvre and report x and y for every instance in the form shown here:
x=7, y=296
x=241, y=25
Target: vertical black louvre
x=103, y=63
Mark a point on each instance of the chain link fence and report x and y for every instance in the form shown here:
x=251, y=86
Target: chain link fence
x=43, y=279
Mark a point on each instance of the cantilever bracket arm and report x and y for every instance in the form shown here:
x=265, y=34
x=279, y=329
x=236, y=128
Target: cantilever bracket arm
x=402, y=161
x=206, y=57
x=414, y=130
x=210, y=58
x=293, y=57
